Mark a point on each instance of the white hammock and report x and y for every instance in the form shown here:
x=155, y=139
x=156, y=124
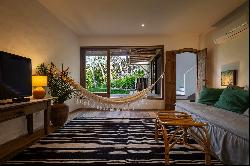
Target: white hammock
x=85, y=93
x=99, y=102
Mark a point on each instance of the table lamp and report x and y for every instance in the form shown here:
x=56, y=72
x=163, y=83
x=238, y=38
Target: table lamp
x=38, y=82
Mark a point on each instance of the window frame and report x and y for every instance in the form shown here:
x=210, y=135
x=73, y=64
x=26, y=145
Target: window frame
x=83, y=50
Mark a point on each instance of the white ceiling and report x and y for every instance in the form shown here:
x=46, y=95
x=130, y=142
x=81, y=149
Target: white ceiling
x=124, y=17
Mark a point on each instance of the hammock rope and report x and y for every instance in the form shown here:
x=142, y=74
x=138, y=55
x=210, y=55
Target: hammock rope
x=100, y=102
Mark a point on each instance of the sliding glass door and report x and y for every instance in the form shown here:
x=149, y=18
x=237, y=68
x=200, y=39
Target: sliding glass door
x=96, y=71
x=121, y=71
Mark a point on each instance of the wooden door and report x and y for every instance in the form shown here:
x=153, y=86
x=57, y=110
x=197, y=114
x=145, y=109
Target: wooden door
x=201, y=70
x=170, y=80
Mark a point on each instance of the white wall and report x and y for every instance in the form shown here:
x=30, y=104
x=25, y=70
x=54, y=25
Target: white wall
x=28, y=29
x=233, y=53
x=170, y=43
x=184, y=61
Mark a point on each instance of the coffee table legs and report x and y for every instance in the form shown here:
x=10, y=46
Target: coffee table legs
x=200, y=136
x=166, y=144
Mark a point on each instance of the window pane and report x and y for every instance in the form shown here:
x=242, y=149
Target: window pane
x=96, y=71
x=123, y=74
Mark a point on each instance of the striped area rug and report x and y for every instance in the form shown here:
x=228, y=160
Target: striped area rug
x=92, y=141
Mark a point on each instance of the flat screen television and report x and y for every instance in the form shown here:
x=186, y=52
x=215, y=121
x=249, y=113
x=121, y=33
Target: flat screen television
x=15, y=76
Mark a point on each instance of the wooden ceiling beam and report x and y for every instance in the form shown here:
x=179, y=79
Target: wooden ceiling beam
x=142, y=52
x=148, y=56
x=140, y=56
x=140, y=59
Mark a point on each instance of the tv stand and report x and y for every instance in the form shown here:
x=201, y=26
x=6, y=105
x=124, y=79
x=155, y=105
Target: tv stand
x=20, y=99
x=15, y=110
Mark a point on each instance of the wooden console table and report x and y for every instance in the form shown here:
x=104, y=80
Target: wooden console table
x=15, y=110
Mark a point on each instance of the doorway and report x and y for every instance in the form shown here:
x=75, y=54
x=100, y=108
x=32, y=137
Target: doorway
x=186, y=72
x=170, y=74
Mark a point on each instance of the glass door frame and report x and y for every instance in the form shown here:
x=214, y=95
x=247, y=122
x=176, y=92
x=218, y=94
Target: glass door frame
x=83, y=50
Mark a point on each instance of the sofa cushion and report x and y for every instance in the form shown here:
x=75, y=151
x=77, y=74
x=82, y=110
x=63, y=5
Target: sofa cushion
x=209, y=96
x=235, y=100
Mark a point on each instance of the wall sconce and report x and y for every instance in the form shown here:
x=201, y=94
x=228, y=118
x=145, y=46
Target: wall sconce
x=38, y=82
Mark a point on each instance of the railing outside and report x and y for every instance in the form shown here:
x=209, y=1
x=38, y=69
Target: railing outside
x=190, y=81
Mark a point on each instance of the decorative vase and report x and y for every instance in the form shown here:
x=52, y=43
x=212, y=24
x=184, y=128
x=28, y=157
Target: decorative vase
x=59, y=114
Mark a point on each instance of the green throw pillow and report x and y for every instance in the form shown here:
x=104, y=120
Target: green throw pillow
x=209, y=96
x=235, y=100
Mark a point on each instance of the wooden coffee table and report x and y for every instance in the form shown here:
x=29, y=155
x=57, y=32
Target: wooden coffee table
x=184, y=126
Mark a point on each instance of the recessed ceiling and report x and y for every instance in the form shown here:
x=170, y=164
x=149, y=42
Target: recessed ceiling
x=125, y=17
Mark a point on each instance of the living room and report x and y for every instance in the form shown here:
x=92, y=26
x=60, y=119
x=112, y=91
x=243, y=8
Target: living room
x=55, y=31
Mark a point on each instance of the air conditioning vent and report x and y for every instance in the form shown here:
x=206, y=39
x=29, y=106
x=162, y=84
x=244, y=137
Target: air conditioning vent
x=231, y=34
x=232, y=25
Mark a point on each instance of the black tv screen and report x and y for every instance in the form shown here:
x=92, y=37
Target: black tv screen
x=15, y=76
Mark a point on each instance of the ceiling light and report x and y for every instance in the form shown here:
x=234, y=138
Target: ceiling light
x=142, y=25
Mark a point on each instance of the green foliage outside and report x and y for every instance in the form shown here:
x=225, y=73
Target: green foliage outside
x=123, y=75
x=126, y=82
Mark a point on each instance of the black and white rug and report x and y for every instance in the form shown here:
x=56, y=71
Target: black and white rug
x=106, y=141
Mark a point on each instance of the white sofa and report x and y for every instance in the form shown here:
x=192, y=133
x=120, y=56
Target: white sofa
x=229, y=131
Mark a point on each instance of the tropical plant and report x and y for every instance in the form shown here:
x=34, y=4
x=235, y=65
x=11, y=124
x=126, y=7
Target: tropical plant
x=58, y=87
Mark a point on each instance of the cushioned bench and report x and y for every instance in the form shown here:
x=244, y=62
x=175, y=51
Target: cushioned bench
x=229, y=131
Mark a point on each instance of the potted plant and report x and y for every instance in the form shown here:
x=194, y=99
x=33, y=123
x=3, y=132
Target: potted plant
x=58, y=88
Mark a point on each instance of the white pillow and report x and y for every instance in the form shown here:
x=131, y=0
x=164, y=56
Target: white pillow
x=246, y=113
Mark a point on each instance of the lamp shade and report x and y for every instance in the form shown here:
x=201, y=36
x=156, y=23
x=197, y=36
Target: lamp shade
x=39, y=80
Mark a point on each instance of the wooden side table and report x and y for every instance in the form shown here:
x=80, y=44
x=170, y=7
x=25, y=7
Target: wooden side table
x=184, y=125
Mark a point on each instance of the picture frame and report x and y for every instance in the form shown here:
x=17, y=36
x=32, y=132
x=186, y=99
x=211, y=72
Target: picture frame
x=228, y=77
